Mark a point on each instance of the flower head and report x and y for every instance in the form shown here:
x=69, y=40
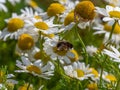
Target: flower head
x=85, y=10
x=78, y=70
x=61, y=50
x=110, y=13
x=37, y=68
x=55, y=9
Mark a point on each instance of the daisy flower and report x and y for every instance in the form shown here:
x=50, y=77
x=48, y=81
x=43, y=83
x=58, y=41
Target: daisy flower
x=55, y=9
x=14, y=26
x=2, y=6
x=26, y=43
x=113, y=53
x=84, y=13
x=46, y=27
x=78, y=70
x=37, y=68
x=109, y=77
x=61, y=50
x=106, y=29
x=110, y=13
x=13, y=2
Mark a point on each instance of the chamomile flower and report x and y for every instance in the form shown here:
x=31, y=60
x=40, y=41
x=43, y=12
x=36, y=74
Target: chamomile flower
x=26, y=43
x=78, y=70
x=84, y=10
x=84, y=13
x=91, y=50
x=55, y=9
x=106, y=29
x=2, y=6
x=113, y=53
x=109, y=77
x=37, y=68
x=14, y=26
x=110, y=13
x=61, y=50
x=13, y=2
x=46, y=27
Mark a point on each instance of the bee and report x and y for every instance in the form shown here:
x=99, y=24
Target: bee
x=64, y=46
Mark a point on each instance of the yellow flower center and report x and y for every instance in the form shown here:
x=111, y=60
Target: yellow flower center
x=25, y=42
x=35, y=69
x=80, y=73
x=41, y=25
x=111, y=78
x=24, y=87
x=42, y=55
x=95, y=72
x=54, y=9
x=33, y=4
x=37, y=55
x=14, y=24
x=85, y=10
x=115, y=14
x=69, y=18
x=109, y=28
x=74, y=57
x=59, y=52
x=92, y=86
x=48, y=35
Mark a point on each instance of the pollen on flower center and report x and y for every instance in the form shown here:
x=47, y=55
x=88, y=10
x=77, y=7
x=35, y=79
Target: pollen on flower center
x=85, y=10
x=14, y=24
x=54, y=9
x=115, y=14
x=41, y=25
x=111, y=78
x=69, y=18
x=109, y=28
x=35, y=69
x=80, y=73
x=25, y=42
x=59, y=52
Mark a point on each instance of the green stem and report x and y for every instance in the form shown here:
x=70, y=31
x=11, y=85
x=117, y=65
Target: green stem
x=117, y=86
x=82, y=43
x=113, y=27
x=102, y=71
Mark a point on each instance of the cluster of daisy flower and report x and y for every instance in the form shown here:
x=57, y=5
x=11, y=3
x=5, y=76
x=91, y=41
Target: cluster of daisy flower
x=50, y=45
